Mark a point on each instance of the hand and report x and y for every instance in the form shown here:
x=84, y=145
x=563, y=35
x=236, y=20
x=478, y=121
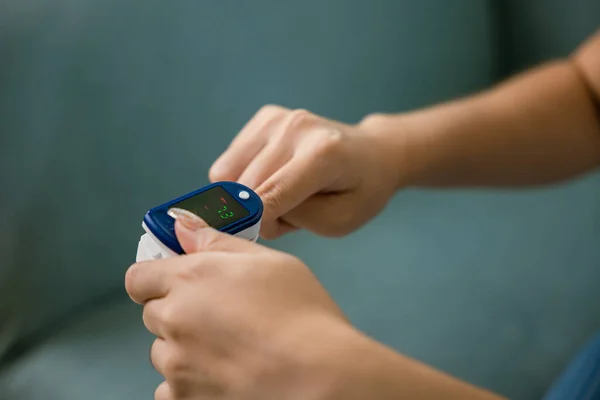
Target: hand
x=312, y=173
x=235, y=320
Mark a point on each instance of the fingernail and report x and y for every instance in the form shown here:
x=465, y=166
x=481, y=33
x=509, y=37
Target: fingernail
x=187, y=218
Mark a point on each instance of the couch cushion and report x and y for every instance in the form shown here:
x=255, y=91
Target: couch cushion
x=103, y=355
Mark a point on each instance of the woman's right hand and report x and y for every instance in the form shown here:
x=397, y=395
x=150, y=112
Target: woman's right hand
x=311, y=173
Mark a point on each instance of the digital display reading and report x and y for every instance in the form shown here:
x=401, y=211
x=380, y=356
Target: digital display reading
x=215, y=206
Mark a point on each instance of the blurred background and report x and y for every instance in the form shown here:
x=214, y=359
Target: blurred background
x=109, y=107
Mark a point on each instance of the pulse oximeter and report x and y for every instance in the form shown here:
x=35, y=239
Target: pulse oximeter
x=226, y=206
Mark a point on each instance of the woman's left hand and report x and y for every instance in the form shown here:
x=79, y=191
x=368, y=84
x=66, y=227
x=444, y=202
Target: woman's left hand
x=235, y=320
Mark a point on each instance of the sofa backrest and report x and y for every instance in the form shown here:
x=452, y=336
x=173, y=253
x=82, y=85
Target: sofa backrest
x=109, y=107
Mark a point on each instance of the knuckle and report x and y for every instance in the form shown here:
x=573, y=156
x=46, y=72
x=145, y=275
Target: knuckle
x=169, y=317
x=162, y=392
x=174, y=364
x=272, y=193
x=190, y=270
x=155, y=354
x=329, y=143
x=212, y=239
x=298, y=118
x=374, y=118
x=148, y=314
x=269, y=109
x=187, y=273
x=130, y=279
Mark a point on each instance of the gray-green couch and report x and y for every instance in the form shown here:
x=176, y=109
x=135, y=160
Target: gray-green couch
x=108, y=107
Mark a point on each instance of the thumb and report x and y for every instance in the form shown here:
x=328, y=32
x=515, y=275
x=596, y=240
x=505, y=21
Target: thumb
x=195, y=235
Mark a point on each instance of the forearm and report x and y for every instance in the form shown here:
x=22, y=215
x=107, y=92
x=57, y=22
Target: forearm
x=368, y=370
x=540, y=127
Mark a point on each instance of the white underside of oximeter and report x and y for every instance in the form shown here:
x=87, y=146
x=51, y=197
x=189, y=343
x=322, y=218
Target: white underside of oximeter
x=150, y=248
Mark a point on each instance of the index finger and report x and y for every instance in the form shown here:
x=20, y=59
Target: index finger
x=299, y=179
x=246, y=145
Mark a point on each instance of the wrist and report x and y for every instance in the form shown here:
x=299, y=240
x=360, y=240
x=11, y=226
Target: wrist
x=322, y=356
x=342, y=363
x=407, y=143
x=319, y=360
x=360, y=368
x=355, y=367
x=333, y=366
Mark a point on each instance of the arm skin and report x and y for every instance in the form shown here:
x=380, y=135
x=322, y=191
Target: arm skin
x=540, y=127
x=360, y=368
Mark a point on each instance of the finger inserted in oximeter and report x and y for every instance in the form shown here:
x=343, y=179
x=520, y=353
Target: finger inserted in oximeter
x=226, y=206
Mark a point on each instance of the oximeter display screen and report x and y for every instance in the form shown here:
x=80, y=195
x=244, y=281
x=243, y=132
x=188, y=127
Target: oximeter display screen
x=215, y=206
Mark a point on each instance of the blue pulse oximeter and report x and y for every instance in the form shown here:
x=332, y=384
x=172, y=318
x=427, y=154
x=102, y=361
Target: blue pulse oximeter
x=226, y=206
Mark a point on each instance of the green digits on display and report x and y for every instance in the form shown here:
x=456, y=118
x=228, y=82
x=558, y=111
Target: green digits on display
x=226, y=215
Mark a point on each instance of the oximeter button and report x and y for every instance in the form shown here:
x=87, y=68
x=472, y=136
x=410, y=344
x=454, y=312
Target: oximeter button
x=244, y=195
